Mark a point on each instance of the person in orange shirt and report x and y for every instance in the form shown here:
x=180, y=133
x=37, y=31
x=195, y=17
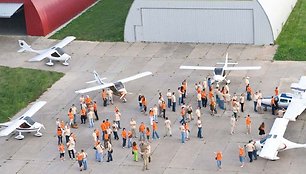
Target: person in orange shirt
x=95, y=110
x=213, y=108
x=107, y=124
x=273, y=105
x=124, y=137
x=59, y=135
x=87, y=100
x=103, y=128
x=141, y=129
x=80, y=160
x=164, y=109
x=61, y=149
x=148, y=133
x=135, y=151
x=129, y=136
x=144, y=104
x=155, y=131
x=248, y=124
x=241, y=156
x=249, y=92
x=218, y=159
x=71, y=117
x=276, y=91
x=204, y=98
x=83, y=115
x=104, y=97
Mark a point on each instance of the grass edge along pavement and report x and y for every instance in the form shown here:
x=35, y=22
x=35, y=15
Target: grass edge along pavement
x=21, y=86
x=292, y=39
x=104, y=21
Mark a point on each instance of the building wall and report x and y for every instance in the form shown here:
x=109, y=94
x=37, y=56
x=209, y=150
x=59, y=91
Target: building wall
x=44, y=16
x=201, y=21
x=278, y=12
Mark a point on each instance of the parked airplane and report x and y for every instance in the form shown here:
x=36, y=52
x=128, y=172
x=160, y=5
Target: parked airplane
x=24, y=123
x=118, y=87
x=275, y=141
x=55, y=53
x=282, y=100
x=219, y=72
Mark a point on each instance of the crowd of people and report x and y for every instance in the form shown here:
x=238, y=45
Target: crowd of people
x=208, y=95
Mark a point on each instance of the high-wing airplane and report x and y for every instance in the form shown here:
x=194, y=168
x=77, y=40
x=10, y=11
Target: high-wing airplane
x=55, y=53
x=118, y=87
x=219, y=72
x=282, y=100
x=24, y=123
x=275, y=141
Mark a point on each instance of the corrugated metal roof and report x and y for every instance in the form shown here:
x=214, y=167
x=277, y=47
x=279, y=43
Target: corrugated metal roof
x=8, y=9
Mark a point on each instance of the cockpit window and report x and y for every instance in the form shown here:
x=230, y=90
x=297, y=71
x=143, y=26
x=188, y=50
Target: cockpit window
x=119, y=85
x=55, y=54
x=29, y=120
x=60, y=51
x=218, y=71
x=274, y=136
x=283, y=100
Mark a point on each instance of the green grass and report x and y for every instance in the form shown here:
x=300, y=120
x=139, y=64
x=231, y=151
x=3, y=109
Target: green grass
x=292, y=40
x=103, y=22
x=20, y=86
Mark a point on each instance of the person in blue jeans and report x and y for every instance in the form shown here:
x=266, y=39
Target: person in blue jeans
x=182, y=129
x=84, y=159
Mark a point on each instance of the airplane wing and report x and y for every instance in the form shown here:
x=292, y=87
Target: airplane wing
x=135, y=77
x=34, y=108
x=65, y=41
x=82, y=91
x=242, y=68
x=42, y=56
x=198, y=67
x=274, y=139
x=295, y=108
x=6, y=131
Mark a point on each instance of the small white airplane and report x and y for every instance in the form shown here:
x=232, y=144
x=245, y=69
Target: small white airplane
x=24, y=123
x=219, y=72
x=282, y=100
x=118, y=87
x=55, y=53
x=275, y=141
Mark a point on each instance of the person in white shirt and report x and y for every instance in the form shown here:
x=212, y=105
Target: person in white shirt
x=255, y=98
x=90, y=116
x=258, y=106
x=115, y=130
x=117, y=118
x=183, y=132
x=199, y=124
x=233, y=125
x=173, y=99
x=198, y=112
x=168, y=127
x=109, y=93
x=169, y=95
x=133, y=127
x=241, y=101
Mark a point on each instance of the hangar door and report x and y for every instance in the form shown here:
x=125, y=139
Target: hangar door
x=196, y=25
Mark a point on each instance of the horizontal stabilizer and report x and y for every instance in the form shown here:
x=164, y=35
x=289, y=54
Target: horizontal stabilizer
x=21, y=50
x=222, y=63
x=297, y=87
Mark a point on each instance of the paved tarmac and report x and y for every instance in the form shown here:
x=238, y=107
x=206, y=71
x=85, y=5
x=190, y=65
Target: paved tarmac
x=119, y=60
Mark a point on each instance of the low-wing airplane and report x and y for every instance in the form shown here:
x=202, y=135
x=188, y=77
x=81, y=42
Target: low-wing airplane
x=275, y=141
x=118, y=87
x=282, y=100
x=219, y=72
x=24, y=123
x=55, y=53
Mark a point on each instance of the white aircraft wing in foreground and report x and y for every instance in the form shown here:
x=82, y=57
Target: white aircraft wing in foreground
x=275, y=141
x=24, y=123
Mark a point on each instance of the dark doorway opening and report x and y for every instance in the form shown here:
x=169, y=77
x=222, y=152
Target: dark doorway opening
x=15, y=25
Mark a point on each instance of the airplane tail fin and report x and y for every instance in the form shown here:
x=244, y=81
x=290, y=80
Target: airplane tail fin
x=226, y=62
x=24, y=46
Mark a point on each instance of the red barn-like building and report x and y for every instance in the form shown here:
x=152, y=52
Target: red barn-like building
x=43, y=16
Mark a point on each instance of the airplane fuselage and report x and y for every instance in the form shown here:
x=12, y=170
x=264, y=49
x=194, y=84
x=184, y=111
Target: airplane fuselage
x=282, y=100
